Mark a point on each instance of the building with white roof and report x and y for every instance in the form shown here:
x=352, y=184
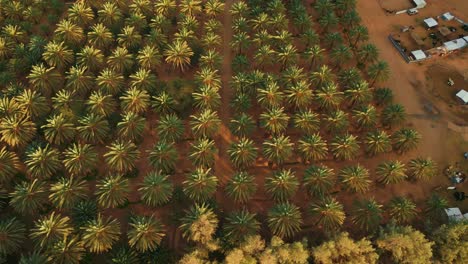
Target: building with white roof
x=430, y=22
x=447, y=16
x=419, y=3
x=463, y=95
x=418, y=55
x=456, y=44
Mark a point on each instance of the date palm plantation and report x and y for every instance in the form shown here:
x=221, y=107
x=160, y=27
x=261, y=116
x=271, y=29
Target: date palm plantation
x=206, y=131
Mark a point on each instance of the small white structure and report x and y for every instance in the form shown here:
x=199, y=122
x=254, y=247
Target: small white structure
x=447, y=16
x=418, y=55
x=454, y=214
x=430, y=22
x=456, y=44
x=463, y=95
x=419, y=3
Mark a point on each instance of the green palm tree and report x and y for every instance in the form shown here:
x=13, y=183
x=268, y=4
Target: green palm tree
x=149, y=57
x=34, y=258
x=365, y=117
x=120, y=60
x=378, y=72
x=350, y=19
x=284, y=220
x=207, y=97
x=312, y=148
x=208, y=77
x=122, y=156
x=131, y=126
x=332, y=39
x=112, y=191
x=243, y=153
x=330, y=214
x=422, y=168
x=391, y=172
x=405, y=139
x=123, y=255
x=435, y=207
x=16, y=130
x=69, y=249
x=281, y=185
x=199, y=224
x=350, y=77
x=205, y=124
x=294, y=75
x=358, y=34
x=59, y=130
x=274, y=120
x=44, y=79
x=51, y=228
x=170, y=128
x=66, y=192
x=240, y=225
x=314, y=55
x=156, y=189
x=383, y=95
x=242, y=125
x=33, y=103
x=100, y=234
x=367, y=214
x=393, y=115
x=355, y=178
x=69, y=32
x=271, y=96
x=10, y=165
x=135, y=100
x=79, y=79
x=287, y=55
x=100, y=36
x=12, y=235
x=322, y=76
x=29, y=197
x=93, y=128
x=300, y=94
x=265, y=55
x=178, y=54
x=200, y=184
x=402, y=210
x=328, y=97
x=319, y=180
x=109, y=14
x=163, y=156
x=145, y=233
x=367, y=53
x=278, y=149
x=110, y=81
x=328, y=21
x=241, y=187
x=129, y=37
x=240, y=42
x=358, y=93
x=163, y=103
x=91, y=58
x=336, y=122
x=203, y=152
x=306, y=121
x=345, y=147
x=211, y=58
x=57, y=55
x=323, y=6
x=101, y=104
x=43, y=162
x=377, y=142
x=341, y=54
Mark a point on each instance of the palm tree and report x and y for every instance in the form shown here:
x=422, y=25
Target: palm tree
x=207, y=97
x=275, y=120
x=239, y=9
x=393, y=115
x=365, y=117
x=200, y=184
x=64, y=101
x=422, y=168
x=178, y=54
x=10, y=165
x=322, y=76
x=156, y=189
x=131, y=126
x=205, y=124
x=149, y=57
x=34, y=258
x=345, y=147
x=310, y=37
x=129, y=37
x=271, y=96
x=110, y=81
x=314, y=55
x=51, y=228
x=191, y=7
x=336, y=122
x=350, y=19
x=145, y=233
x=328, y=97
x=69, y=32
x=100, y=234
x=402, y=210
x=328, y=21
x=377, y=142
x=242, y=125
x=383, y=96
x=213, y=7
x=300, y=94
x=367, y=214
x=211, y=59
x=435, y=207
x=109, y=14
x=32, y=103
x=284, y=220
x=91, y=58
x=57, y=55
x=319, y=180
x=357, y=34
x=170, y=128
x=143, y=79
x=44, y=79
x=359, y=93
x=281, y=185
x=163, y=103
x=59, y=130
x=323, y=6
x=165, y=7
x=66, y=192
x=16, y=130
x=29, y=197
x=81, y=14
x=391, y=172
x=341, y=55
x=294, y=75
x=278, y=149
x=243, y=153
x=241, y=187
x=306, y=121
x=330, y=214
x=287, y=55
x=355, y=178
x=12, y=235
x=378, y=72
x=112, y=191
x=93, y=128
x=240, y=42
x=405, y=139
x=350, y=77
x=239, y=225
x=125, y=255
x=43, y=162
x=199, y=224
x=163, y=156
x=69, y=249
x=121, y=156
x=120, y=60
x=332, y=39
x=265, y=55
x=312, y=148
x=367, y=53
x=79, y=79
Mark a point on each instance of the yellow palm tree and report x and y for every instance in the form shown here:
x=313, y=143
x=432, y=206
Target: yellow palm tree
x=178, y=54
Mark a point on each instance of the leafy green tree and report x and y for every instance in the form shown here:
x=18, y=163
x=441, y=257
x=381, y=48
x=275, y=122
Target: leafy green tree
x=81, y=14
x=16, y=130
x=328, y=21
x=404, y=245
x=284, y=219
x=112, y=191
x=402, y=209
x=341, y=54
x=358, y=93
x=450, y=242
x=129, y=37
x=350, y=251
x=355, y=178
x=367, y=214
x=336, y=122
x=199, y=224
x=287, y=55
x=300, y=94
x=100, y=234
x=281, y=185
x=207, y=97
x=101, y=104
x=163, y=156
x=29, y=197
x=163, y=103
x=314, y=55
x=34, y=258
x=200, y=185
x=205, y=124
x=329, y=212
x=12, y=235
x=156, y=189
x=332, y=39
x=270, y=96
x=121, y=156
x=67, y=192
x=377, y=142
x=278, y=149
x=345, y=147
x=322, y=76
x=358, y=34
x=51, y=228
x=323, y=6
x=145, y=233
x=93, y=128
x=43, y=162
x=9, y=165
x=149, y=57
x=240, y=224
x=241, y=187
x=422, y=168
x=243, y=153
x=391, y=172
x=123, y=255
x=405, y=139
